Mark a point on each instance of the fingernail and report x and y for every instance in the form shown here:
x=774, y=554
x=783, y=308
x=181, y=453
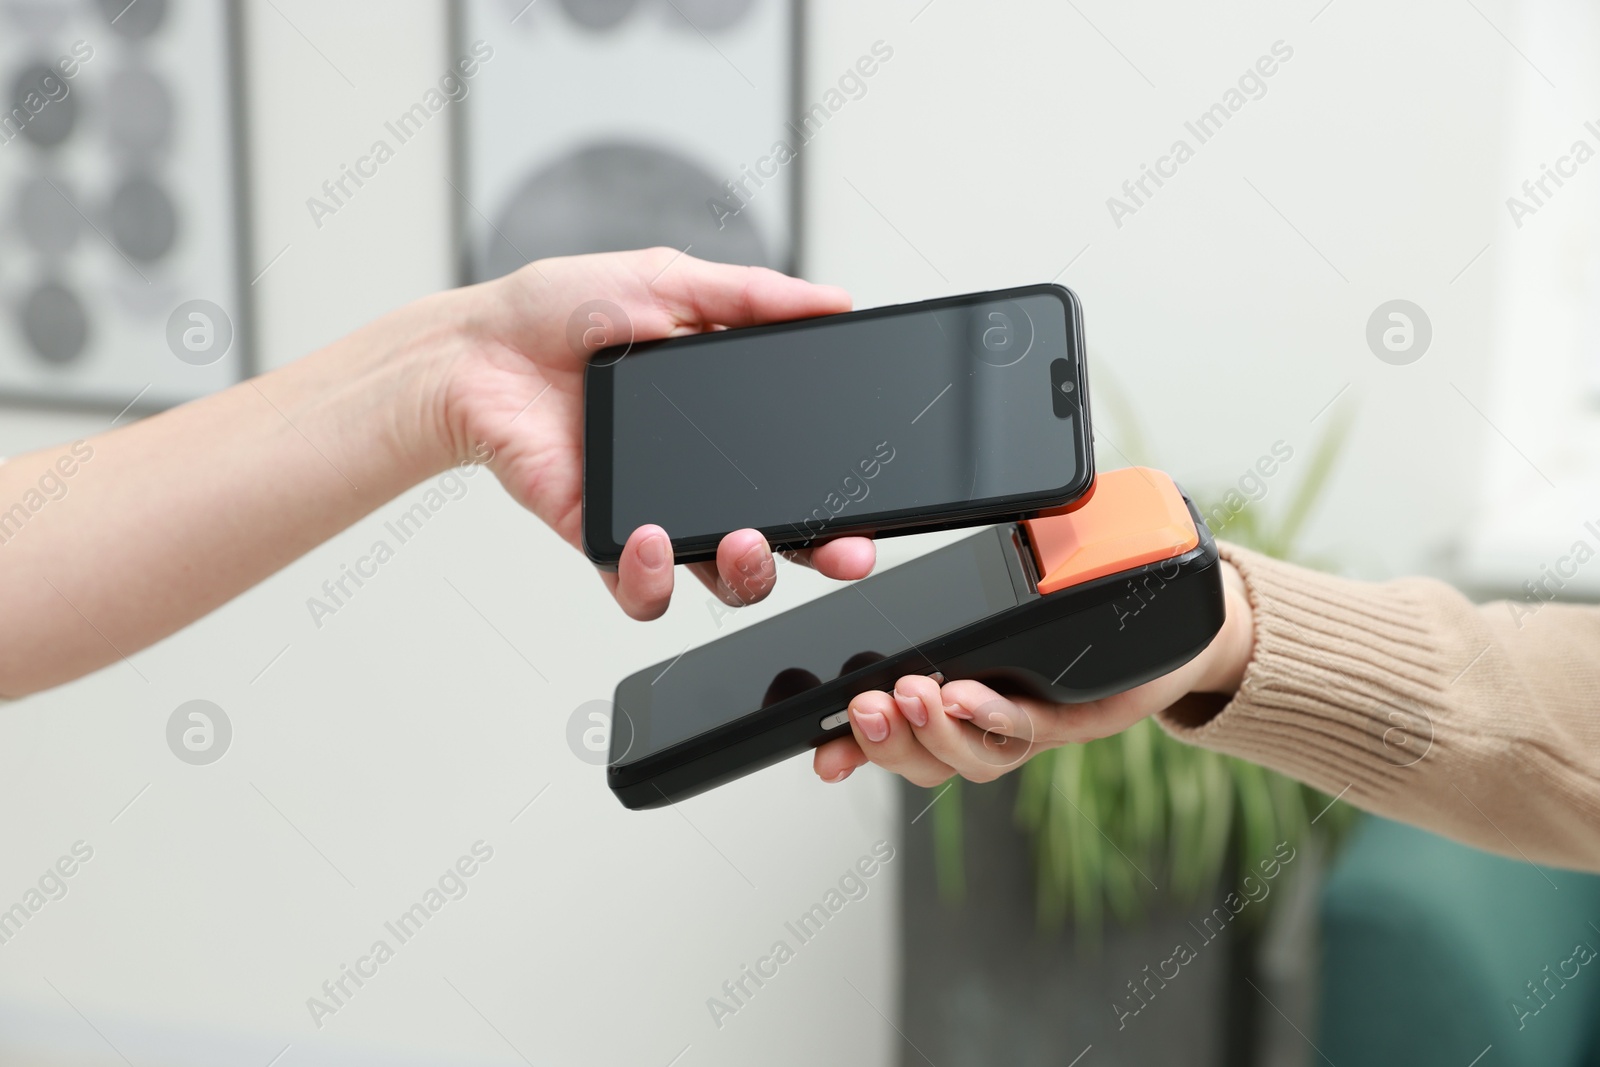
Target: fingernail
x=956, y=711
x=756, y=562
x=912, y=708
x=756, y=569
x=841, y=776
x=654, y=552
x=873, y=724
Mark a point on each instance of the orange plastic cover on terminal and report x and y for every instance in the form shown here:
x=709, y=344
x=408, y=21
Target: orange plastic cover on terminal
x=1136, y=516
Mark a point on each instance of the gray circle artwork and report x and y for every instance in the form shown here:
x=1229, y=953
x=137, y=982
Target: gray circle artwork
x=138, y=110
x=616, y=196
x=598, y=14
x=589, y=729
x=46, y=219
x=143, y=221
x=134, y=18
x=49, y=102
x=1399, y=332
x=712, y=15
x=199, y=332
x=55, y=324
x=199, y=732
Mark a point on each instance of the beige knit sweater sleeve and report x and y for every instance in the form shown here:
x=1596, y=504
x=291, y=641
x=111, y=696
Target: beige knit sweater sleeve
x=1481, y=723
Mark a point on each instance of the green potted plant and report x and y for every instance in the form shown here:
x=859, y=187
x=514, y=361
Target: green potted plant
x=1125, y=836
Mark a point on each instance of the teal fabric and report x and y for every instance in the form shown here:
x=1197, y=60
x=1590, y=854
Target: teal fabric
x=1426, y=945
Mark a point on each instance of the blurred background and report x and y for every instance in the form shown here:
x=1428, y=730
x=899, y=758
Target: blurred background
x=1357, y=255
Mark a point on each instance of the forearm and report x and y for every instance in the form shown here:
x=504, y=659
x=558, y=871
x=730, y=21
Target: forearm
x=1476, y=722
x=163, y=520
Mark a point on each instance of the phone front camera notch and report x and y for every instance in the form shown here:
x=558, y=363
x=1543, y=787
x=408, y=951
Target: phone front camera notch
x=1063, y=389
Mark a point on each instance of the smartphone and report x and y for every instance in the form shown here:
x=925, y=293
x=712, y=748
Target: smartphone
x=944, y=413
x=1068, y=608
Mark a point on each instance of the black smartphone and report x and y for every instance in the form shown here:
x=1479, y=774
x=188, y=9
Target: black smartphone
x=943, y=413
x=1067, y=608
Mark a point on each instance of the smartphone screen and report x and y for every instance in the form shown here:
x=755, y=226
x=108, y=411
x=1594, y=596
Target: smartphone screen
x=966, y=409
x=837, y=633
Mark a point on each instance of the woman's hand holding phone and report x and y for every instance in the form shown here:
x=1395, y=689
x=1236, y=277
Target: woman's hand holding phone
x=515, y=384
x=483, y=374
x=928, y=732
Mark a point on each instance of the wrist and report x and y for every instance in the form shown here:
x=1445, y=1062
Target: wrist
x=478, y=367
x=373, y=399
x=1229, y=654
x=433, y=339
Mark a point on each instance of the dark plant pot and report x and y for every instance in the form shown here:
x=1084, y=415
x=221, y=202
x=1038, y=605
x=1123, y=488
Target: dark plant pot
x=982, y=985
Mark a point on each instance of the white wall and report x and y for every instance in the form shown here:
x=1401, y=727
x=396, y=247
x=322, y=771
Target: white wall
x=993, y=138
x=401, y=732
x=1540, y=498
